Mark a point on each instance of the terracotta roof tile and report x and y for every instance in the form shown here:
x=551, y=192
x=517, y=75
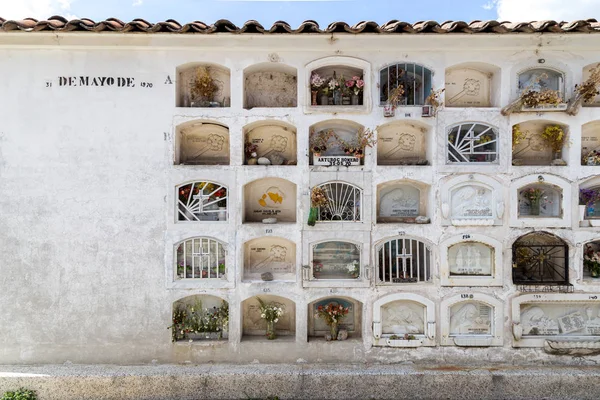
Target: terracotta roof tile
x=61, y=24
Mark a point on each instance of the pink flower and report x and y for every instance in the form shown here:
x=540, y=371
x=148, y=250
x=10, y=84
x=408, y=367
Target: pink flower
x=349, y=83
x=356, y=78
x=360, y=83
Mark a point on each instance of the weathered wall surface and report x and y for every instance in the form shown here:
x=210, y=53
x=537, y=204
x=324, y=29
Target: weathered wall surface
x=87, y=192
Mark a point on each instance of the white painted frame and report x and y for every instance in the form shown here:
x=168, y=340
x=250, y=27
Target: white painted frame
x=564, y=221
x=427, y=339
x=497, y=328
x=496, y=277
x=452, y=184
x=517, y=330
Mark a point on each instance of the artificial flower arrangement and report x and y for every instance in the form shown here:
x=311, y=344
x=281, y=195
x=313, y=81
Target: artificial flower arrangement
x=537, y=198
x=203, y=86
x=591, y=158
x=355, y=85
x=193, y=319
x=555, y=136
x=588, y=197
x=318, y=199
x=591, y=259
x=353, y=269
x=271, y=313
x=336, y=87
x=332, y=314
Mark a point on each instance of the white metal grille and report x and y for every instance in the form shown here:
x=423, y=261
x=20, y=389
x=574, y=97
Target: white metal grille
x=344, y=202
x=403, y=260
x=415, y=79
x=202, y=201
x=472, y=143
x=200, y=258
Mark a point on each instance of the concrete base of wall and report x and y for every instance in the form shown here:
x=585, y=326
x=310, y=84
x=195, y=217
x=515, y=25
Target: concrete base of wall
x=301, y=381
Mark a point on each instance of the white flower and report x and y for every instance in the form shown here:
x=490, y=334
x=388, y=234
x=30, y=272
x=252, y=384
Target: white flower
x=276, y=319
x=262, y=315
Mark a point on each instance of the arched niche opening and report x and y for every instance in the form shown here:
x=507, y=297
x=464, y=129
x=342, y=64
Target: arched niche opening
x=591, y=260
x=270, y=198
x=590, y=144
x=471, y=260
x=318, y=317
x=402, y=143
x=200, y=258
x=472, y=85
x=540, y=200
x=337, y=85
x=200, y=317
x=270, y=85
x=540, y=258
x=269, y=258
x=472, y=142
x=271, y=140
x=538, y=79
x=336, y=260
x=344, y=202
x=254, y=326
x=202, y=201
x=202, y=143
x=335, y=143
x=587, y=72
x=472, y=320
x=404, y=320
x=401, y=201
x=203, y=85
x=416, y=80
x=402, y=260
x=539, y=142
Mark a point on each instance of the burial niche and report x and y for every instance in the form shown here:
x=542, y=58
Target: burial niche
x=566, y=319
x=472, y=202
x=404, y=320
x=254, y=326
x=472, y=142
x=203, y=85
x=270, y=198
x=540, y=200
x=400, y=202
x=403, y=260
x=270, y=85
x=336, y=260
x=591, y=260
x=471, y=318
x=337, y=85
x=415, y=79
x=273, y=141
x=470, y=85
x=351, y=322
x=202, y=201
x=587, y=72
x=541, y=79
x=402, y=143
x=590, y=144
x=338, y=143
x=200, y=317
x=202, y=143
x=269, y=258
x=538, y=143
x=200, y=258
x=540, y=258
x=471, y=259
x=343, y=203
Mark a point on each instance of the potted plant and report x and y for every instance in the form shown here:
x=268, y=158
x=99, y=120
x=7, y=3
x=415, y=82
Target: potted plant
x=318, y=199
x=591, y=260
x=203, y=88
x=316, y=84
x=194, y=322
x=332, y=314
x=407, y=340
x=271, y=313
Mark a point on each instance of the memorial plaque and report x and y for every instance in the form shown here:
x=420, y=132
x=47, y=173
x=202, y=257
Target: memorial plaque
x=400, y=317
x=204, y=144
x=348, y=323
x=471, y=318
x=400, y=201
x=468, y=88
x=270, y=197
x=269, y=254
x=275, y=142
x=471, y=201
x=336, y=260
x=565, y=319
x=254, y=325
x=400, y=143
x=470, y=258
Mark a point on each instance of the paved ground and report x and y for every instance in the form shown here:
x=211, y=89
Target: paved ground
x=302, y=381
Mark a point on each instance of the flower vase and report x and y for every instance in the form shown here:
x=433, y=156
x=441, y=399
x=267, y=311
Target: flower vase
x=312, y=216
x=314, y=97
x=582, y=211
x=324, y=100
x=558, y=155
x=333, y=329
x=271, y=330
x=535, y=207
x=222, y=214
x=355, y=100
x=591, y=161
x=337, y=97
x=595, y=270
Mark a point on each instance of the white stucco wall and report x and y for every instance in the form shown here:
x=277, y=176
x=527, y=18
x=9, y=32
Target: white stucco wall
x=87, y=190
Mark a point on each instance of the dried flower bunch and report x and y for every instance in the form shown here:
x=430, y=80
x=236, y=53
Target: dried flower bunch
x=318, y=197
x=249, y=149
x=518, y=135
x=435, y=98
x=332, y=313
x=396, y=95
x=270, y=312
x=319, y=141
x=589, y=89
x=535, y=195
x=532, y=98
x=554, y=135
x=203, y=86
x=594, y=155
x=356, y=147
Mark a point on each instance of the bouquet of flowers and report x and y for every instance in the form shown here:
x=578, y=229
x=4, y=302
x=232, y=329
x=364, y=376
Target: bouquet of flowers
x=318, y=197
x=353, y=269
x=316, y=81
x=332, y=313
x=533, y=194
x=270, y=312
x=591, y=259
x=588, y=196
x=355, y=85
x=320, y=140
x=591, y=158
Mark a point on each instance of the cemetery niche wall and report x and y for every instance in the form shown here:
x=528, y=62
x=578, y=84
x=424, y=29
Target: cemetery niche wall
x=268, y=198
x=472, y=85
x=402, y=201
x=200, y=318
x=349, y=326
x=203, y=85
x=471, y=260
x=402, y=143
x=271, y=142
x=202, y=143
x=270, y=85
x=269, y=258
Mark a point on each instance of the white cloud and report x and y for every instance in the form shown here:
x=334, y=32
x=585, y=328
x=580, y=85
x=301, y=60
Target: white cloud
x=538, y=10
x=137, y=3
x=38, y=9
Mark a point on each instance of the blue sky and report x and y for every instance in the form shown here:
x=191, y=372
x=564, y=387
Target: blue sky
x=323, y=11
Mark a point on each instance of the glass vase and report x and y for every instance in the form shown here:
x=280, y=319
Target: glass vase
x=337, y=97
x=271, y=330
x=312, y=216
x=535, y=207
x=334, y=329
x=355, y=100
x=324, y=100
